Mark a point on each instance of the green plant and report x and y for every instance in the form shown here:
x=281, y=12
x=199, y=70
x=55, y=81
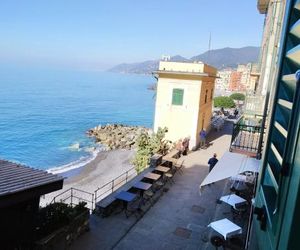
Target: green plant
x=238, y=96
x=224, y=102
x=55, y=216
x=149, y=145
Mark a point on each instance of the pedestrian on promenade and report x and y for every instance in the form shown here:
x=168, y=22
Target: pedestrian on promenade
x=212, y=162
x=202, y=135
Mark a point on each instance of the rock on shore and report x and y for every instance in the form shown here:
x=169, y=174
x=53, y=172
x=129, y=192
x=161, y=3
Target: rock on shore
x=117, y=136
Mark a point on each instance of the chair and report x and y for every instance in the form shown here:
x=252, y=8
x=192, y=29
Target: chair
x=134, y=207
x=239, y=212
x=178, y=166
x=235, y=243
x=169, y=178
x=217, y=241
x=147, y=197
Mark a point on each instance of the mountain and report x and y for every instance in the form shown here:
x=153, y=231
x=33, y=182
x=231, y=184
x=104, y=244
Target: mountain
x=219, y=58
x=145, y=67
x=228, y=57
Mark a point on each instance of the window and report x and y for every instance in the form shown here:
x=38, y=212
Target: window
x=206, y=91
x=177, y=97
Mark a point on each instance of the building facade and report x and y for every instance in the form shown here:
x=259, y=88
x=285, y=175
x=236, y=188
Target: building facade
x=277, y=203
x=184, y=99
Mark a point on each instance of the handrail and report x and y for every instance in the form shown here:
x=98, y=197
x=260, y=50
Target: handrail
x=112, y=184
x=71, y=196
x=111, y=187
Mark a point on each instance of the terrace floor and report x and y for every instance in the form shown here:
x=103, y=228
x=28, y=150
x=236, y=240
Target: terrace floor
x=179, y=219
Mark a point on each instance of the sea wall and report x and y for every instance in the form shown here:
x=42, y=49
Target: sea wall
x=117, y=136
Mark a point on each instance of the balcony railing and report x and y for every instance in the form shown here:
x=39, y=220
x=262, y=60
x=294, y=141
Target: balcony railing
x=246, y=139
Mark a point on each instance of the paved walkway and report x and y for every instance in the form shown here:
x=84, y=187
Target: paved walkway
x=178, y=220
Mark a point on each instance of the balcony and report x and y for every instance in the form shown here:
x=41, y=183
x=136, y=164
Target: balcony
x=246, y=139
x=262, y=6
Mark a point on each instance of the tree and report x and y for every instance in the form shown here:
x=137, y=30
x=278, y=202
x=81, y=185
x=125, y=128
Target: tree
x=148, y=146
x=238, y=96
x=224, y=102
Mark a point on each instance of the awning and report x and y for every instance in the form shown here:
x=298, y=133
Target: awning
x=229, y=165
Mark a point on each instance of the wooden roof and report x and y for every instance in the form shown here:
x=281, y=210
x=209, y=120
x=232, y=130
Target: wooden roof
x=16, y=178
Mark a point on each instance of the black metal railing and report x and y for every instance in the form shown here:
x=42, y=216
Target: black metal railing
x=73, y=196
x=247, y=138
x=110, y=187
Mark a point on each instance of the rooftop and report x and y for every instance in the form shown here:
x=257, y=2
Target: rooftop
x=16, y=179
x=186, y=68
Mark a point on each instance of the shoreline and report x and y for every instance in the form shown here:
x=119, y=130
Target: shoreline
x=106, y=166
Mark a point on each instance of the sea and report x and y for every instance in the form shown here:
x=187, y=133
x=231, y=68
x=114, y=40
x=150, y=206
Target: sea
x=45, y=113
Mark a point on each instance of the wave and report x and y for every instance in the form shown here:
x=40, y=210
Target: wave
x=82, y=161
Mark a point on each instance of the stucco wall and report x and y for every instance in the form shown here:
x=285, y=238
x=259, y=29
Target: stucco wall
x=180, y=120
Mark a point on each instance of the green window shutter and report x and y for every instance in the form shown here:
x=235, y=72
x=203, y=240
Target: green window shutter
x=177, y=97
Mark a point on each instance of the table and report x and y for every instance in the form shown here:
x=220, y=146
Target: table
x=125, y=196
x=162, y=169
x=225, y=227
x=152, y=176
x=142, y=185
x=233, y=199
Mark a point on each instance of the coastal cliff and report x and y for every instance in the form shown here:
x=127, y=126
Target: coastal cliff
x=117, y=136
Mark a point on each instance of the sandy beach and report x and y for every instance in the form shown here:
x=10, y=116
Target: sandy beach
x=105, y=167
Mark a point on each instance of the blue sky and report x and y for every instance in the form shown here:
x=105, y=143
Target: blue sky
x=96, y=34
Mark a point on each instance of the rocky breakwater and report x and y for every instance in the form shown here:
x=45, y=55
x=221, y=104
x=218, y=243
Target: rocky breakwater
x=117, y=136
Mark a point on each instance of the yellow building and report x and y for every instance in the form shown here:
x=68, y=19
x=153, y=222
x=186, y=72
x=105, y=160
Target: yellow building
x=184, y=99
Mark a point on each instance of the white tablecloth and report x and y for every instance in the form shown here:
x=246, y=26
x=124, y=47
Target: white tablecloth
x=225, y=227
x=232, y=199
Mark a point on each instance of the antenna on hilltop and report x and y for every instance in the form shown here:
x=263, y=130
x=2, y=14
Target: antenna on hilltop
x=209, y=46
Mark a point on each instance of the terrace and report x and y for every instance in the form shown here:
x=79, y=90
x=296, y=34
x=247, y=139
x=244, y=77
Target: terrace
x=179, y=217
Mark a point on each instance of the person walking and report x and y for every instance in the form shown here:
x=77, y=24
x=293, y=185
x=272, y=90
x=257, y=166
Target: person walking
x=212, y=162
x=202, y=135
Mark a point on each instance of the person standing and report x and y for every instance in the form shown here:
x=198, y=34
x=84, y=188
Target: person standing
x=212, y=162
x=202, y=135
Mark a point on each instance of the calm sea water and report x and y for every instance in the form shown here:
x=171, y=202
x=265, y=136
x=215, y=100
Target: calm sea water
x=44, y=114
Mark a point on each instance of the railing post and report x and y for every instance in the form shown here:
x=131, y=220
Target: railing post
x=93, y=202
x=96, y=196
x=126, y=176
x=71, y=196
x=112, y=185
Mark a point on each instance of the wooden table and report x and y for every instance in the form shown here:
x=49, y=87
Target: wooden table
x=162, y=169
x=142, y=186
x=152, y=176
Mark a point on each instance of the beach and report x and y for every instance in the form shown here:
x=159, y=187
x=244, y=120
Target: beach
x=104, y=168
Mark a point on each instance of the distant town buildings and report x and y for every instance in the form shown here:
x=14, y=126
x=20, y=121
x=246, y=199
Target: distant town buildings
x=242, y=79
x=184, y=99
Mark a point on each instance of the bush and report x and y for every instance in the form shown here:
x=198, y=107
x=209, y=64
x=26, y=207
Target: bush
x=224, y=102
x=55, y=216
x=238, y=96
x=148, y=146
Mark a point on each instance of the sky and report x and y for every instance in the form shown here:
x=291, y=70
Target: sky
x=97, y=34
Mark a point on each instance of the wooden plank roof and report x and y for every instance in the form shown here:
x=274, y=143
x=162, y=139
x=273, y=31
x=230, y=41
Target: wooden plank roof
x=16, y=178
